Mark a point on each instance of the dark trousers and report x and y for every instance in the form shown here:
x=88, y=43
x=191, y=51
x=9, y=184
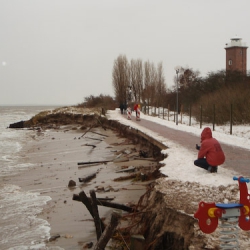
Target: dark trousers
x=202, y=163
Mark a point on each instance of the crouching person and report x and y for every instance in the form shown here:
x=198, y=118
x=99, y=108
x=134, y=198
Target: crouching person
x=210, y=153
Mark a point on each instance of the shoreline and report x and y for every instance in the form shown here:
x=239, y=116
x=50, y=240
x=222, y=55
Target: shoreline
x=55, y=154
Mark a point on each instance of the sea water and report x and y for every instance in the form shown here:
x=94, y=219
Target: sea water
x=20, y=228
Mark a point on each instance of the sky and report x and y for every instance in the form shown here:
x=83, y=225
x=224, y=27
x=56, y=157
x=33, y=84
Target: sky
x=57, y=52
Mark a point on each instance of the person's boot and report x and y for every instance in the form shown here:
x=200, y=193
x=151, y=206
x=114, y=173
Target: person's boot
x=212, y=169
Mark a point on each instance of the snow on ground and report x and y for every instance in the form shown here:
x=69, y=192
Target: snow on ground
x=187, y=185
x=179, y=163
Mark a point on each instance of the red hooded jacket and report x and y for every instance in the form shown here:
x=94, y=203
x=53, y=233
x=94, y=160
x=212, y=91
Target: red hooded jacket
x=211, y=149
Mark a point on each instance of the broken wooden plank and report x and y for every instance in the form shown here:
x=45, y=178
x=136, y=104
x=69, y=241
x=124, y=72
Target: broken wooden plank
x=129, y=169
x=82, y=197
x=92, y=162
x=106, y=199
x=90, y=145
x=87, y=178
x=96, y=214
x=123, y=178
x=99, y=133
x=144, y=159
x=76, y=197
x=94, y=138
x=89, y=165
x=123, y=159
x=108, y=232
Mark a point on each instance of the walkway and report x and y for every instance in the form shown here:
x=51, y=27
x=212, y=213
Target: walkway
x=237, y=159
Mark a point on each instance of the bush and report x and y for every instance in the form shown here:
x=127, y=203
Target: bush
x=101, y=101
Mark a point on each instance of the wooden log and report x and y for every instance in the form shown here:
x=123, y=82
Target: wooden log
x=104, y=203
x=90, y=145
x=96, y=214
x=123, y=178
x=105, y=199
x=123, y=159
x=108, y=232
x=89, y=165
x=86, y=131
x=86, y=201
x=87, y=178
x=144, y=159
x=129, y=169
x=94, y=138
x=99, y=133
x=91, y=162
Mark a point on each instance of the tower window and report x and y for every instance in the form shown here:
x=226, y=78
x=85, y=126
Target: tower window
x=230, y=62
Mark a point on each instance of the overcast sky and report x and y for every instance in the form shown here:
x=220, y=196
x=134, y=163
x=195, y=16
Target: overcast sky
x=60, y=51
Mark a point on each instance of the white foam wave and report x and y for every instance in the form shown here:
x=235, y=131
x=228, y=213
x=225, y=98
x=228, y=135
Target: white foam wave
x=19, y=223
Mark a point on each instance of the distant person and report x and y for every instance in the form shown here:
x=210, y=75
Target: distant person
x=135, y=108
x=125, y=107
x=210, y=153
x=121, y=107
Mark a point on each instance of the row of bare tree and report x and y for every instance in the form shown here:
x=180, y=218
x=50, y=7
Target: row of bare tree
x=137, y=81
x=143, y=82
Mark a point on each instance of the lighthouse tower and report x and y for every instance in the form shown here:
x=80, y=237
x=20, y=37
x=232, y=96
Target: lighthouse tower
x=236, y=55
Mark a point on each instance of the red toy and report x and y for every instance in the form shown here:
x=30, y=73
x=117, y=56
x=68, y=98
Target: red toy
x=208, y=214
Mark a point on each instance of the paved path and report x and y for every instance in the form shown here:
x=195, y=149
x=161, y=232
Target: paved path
x=237, y=158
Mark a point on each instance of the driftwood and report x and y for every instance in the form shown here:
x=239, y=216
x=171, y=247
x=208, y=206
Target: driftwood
x=91, y=162
x=88, y=165
x=104, y=203
x=109, y=231
x=54, y=237
x=94, y=146
x=86, y=201
x=123, y=178
x=87, y=178
x=100, y=122
x=86, y=131
x=105, y=199
x=94, y=138
x=99, y=133
x=123, y=159
x=144, y=159
x=129, y=169
x=96, y=214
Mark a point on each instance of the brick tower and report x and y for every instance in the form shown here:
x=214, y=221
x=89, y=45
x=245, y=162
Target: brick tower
x=236, y=56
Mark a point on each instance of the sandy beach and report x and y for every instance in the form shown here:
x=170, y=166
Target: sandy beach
x=56, y=154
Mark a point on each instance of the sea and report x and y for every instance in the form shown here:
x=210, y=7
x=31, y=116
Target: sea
x=20, y=228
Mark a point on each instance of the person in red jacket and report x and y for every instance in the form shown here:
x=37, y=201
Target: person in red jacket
x=210, y=153
x=135, y=108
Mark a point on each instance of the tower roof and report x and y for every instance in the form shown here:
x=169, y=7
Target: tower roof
x=235, y=42
x=236, y=38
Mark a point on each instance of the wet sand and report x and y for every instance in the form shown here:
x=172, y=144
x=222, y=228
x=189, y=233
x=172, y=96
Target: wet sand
x=55, y=155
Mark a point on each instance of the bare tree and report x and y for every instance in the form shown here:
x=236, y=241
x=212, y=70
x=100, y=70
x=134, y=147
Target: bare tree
x=137, y=81
x=160, y=85
x=150, y=79
x=136, y=78
x=120, y=78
